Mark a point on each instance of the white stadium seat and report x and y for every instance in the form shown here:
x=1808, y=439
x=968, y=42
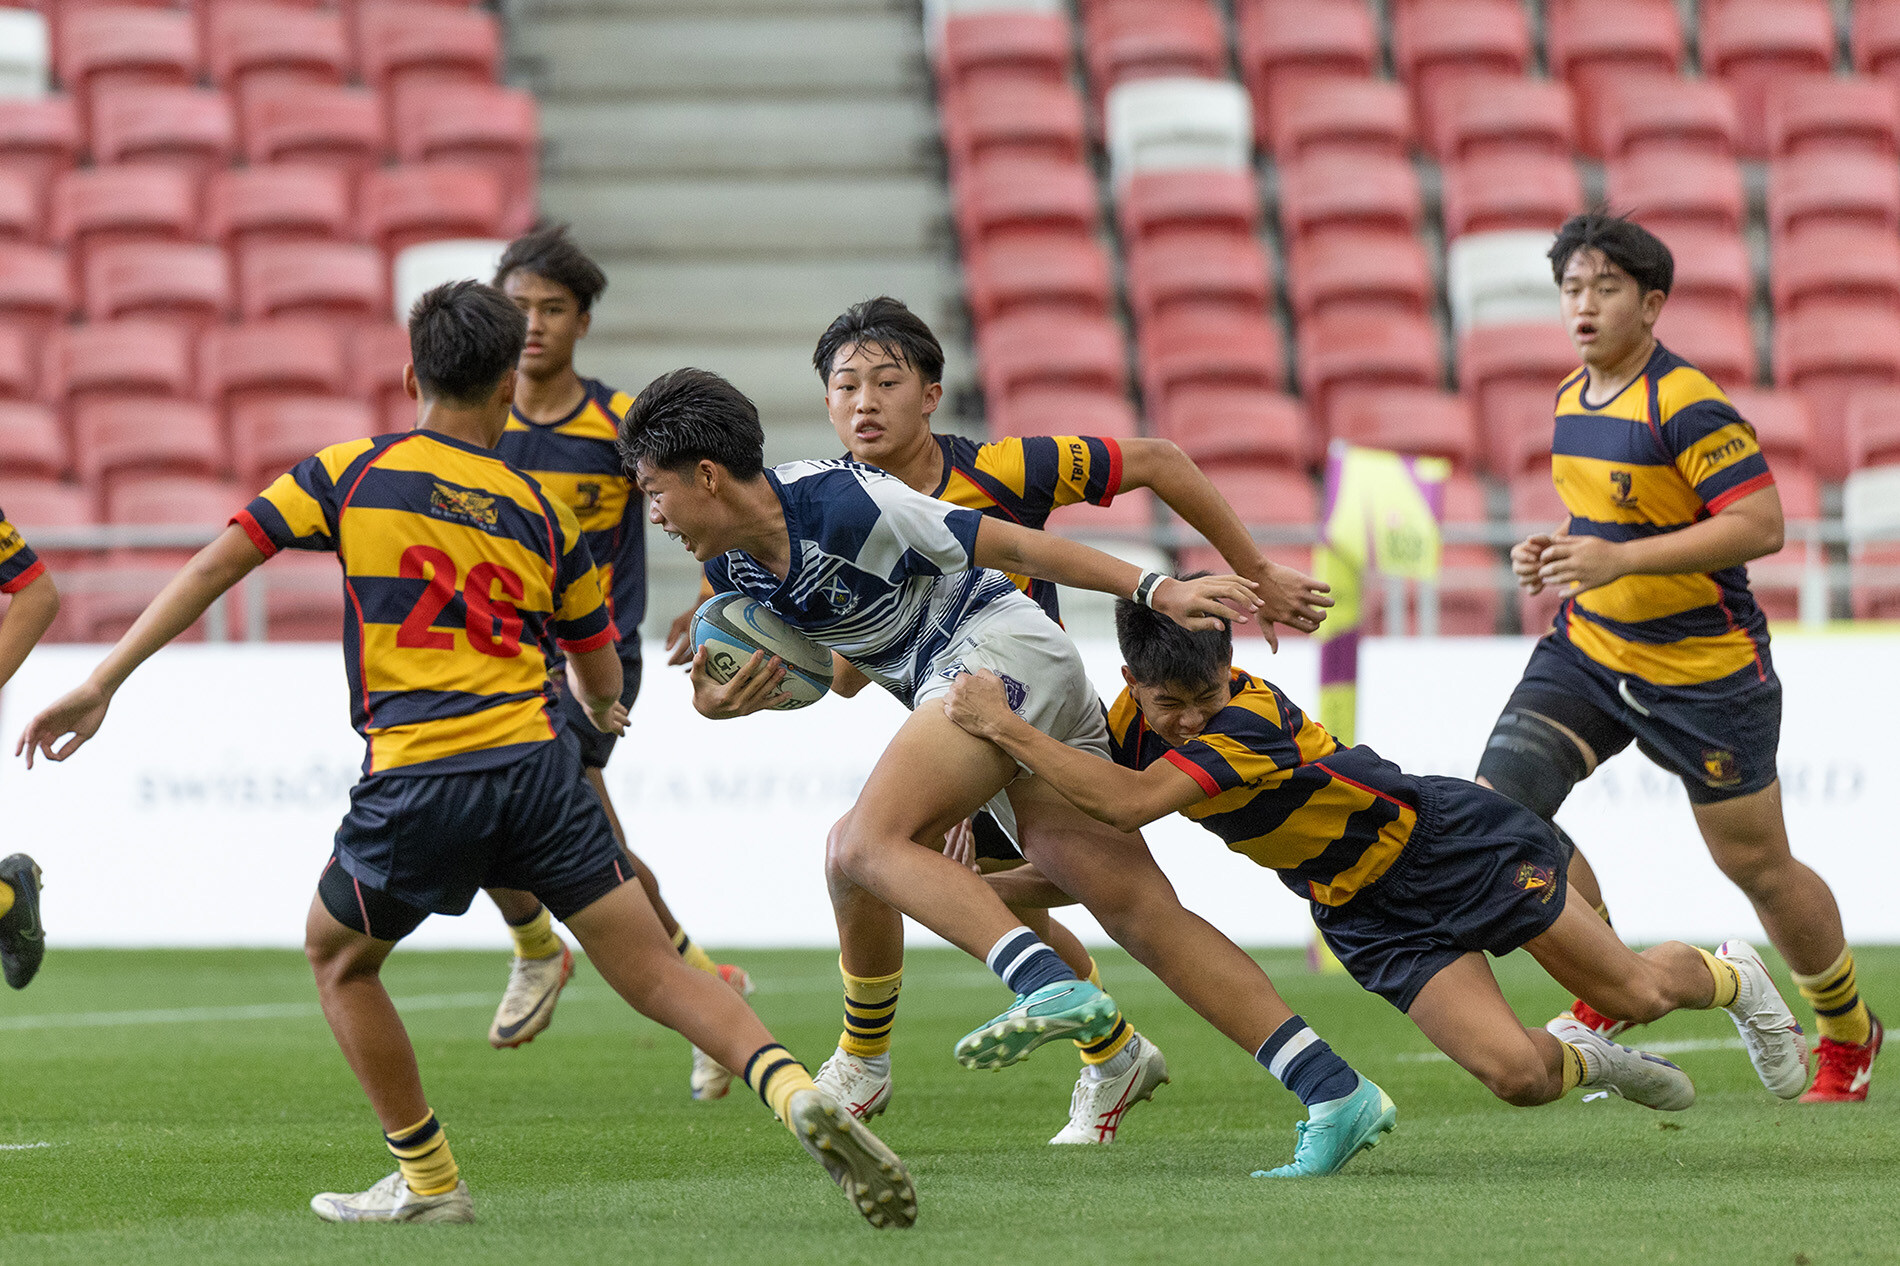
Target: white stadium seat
x=422, y=268
x=1870, y=504
x=1500, y=278
x=24, y=53
x=1157, y=124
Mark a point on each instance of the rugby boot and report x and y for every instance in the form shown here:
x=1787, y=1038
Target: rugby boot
x=1067, y=1008
x=527, y=1007
x=1847, y=1068
x=1338, y=1130
x=869, y=1173
x=1629, y=1074
x=391, y=1200
x=1775, y=1044
x=1098, y=1104
x=22, y=936
x=1590, y=1018
x=856, y=1083
x=710, y=1079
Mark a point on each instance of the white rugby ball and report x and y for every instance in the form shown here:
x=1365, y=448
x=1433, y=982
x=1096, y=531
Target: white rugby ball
x=732, y=626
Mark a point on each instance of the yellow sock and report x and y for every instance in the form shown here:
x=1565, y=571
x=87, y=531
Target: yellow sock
x=870, y=1009
x=423, y=1152
x=1834, y=994
x=695, y=957
x=777, y=1077
x=6, y=898
x=535, y=938
x=1573, y=1067
x=1119, y=1033
x=1727, y=983
x=1095, y=975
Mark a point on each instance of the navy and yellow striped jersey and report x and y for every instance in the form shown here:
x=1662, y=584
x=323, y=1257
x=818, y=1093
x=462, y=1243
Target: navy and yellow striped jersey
x=1665, y=452
x=460, y=576
x=1021, y=480
x=1281, y=790
x=19, y=565
x=575, y=460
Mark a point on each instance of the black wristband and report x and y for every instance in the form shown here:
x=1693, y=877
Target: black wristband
x=1145, y=588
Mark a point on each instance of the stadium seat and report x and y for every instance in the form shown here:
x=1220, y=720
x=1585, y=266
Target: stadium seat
x=1283, y=43
x=104, y=359
x=1509, y=191
x=1051, y=349
x=258, y=45
x=36, y=504
x=481, y=125
x=340, y=127
x=1593, y=46
x=38, y=138
x=1217, y=424
x=32, y=443
x=1829, y=263
x=1536, y=507
x=1872, y=428
x=96, y=206
x=420, y=269
x=1776, y=580
x=1128, y=40
x=175, y=499
x=1877, y=38
x=1023, y=270
x=21, y=354
x=131, y=579
x=988, y=50
x=1162, y=201
x=1059, y=411
x=1471, y=577
x=1712, y=265
x=426, y=202
x=1351, y=268
x=377, y=354
x=1364, y=115
x=1357, y=190
x=1827, y=112
x=21, y=218
x=317, y=279
x=150, y=435
x=1012, y=193
x=1341, y=351
x=1869, y=500
x=402, y=44
x=271, y=434
x=114, y=47
x=1209, y=346
x=1437, y=44
x=1750, y=43
x=188, y=128
x=1416, y=420
x=1505, y=116
x=1511, y=374
x=1716, y=340
x=302, y=597
x=242, y=364
x=1266, y=494
x=1667, y=113
x=1837, y=186
x=279, y=202
x=1827, y=352
x=25, y=53
x=183, y=283
x=1685, y=187
x=1157, y=124
x=36, y=290
x=1784, y=426
x=1500, y=278
x=1015, y=119
x=1197, y=267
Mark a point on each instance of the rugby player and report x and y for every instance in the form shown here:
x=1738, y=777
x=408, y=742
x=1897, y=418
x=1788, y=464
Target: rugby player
x=1411, y=880
x=461, y=573
x=32, y=605
x=1659, y=641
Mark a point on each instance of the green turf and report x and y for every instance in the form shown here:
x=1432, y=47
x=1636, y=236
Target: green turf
x=202, y=1140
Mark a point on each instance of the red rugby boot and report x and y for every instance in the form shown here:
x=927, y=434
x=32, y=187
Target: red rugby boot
x=1846, y=1069
x=1590, y=1018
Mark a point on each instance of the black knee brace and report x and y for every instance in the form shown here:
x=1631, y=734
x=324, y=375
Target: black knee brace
x=1532, y=761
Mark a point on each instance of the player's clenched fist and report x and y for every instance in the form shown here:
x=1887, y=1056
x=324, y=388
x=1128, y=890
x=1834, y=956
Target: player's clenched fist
x=1527, y=559
x=754, y=687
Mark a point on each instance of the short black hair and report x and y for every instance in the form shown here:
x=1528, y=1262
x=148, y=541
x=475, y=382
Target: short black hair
x=549, y=252
x=463, y=336
x=882, y=322
x=1623, y=242
x=1160, y=652
x=688, y=416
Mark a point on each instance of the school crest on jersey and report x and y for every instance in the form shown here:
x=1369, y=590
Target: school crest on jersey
x=1621, y=481
x=460, y=503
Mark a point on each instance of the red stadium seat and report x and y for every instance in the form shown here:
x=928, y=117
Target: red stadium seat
x=242, y=364
x=97, y=206
x=1827, y=112
x=481, y=125
x=1750, y=43
x=1511, y=116
x=1712, y=265
x=1536, y=507
x=36, y=291
x=1022, y=270
x=317, y=279
x=1287, y=42
x=1684, y=187
x=1341, y=268
x=113, y=47
x=254, y=46
x=1266, y=494
x=1469, y=577
x=1199, y=267
x=1161, y=201
x=1872, y=428
x=1837, y=186
x=1664, y=112
x=1061, y=411
x=377, y=354
x=1831, y=263
x=1591, y=46
x=1419, y=420
x=1215, y=424
x=270, y=435
x=1147, y=39
x=1784, y=426
x=120, y=358
x=1509, y=191
x=1209, y=346
x=303, y=598
x=1032, y=349
x=1716, y=340
x=39, y=137
x=132, y=579
x=1877, y=38
x=1441, y=43
x=1010, y=193
x=178, y=282
x=1025, y=119
x=148, y=435
x=21, y=217
x=1343, y=351
x=988, y=50
x=1827, y=352
x=191, y=129
x=339, y=127
x=20, y=355
x=36, y=504
x=31, y=442
x=1776, y=579
x=1511, y=373
x=402, y=44
x=1357, y=190
x=429, y=202
x=1369, y=115
x=280, y=202
x=181, y=499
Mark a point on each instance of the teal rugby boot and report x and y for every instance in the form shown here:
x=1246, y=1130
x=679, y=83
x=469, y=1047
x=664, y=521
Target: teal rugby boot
x=1338, y=1130
x=1067, y=1008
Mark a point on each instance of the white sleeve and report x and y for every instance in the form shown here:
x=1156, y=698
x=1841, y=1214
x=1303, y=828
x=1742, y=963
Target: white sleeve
x=916, y=535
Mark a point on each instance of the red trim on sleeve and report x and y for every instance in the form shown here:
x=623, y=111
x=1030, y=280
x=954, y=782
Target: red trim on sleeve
x=246, y=520
x=1114, y=471
x=606, y=637
x=25, y=578
x=1724, y=500
x=1199, y=775
x=1371, y=791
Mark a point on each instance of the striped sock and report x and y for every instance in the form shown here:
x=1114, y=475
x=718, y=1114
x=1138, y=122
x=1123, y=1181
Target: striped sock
x=535, y=938
x=695, y=957
x=1025, y=964
x=1305, y=1064
x=1574, y=1066
x=777, y=1077
x=423, y=1152
x=6, y=898
x=1835, y=996
x=1603, y=912
x=870, y=1011
x=1097, y=1055
x=1727, y=983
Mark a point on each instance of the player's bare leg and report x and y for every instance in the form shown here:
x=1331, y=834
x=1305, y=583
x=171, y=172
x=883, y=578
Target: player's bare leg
x=1464, y=1014
x=348, y=967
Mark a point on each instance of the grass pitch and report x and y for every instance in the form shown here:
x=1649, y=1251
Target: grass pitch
x=183, y=1107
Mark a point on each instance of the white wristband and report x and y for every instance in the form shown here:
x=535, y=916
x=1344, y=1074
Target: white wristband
x=1145, y=588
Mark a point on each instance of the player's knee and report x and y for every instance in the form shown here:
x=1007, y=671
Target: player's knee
x=837, y=848
x=1755, y=865
x=1532, y=761
x=334, y=961
x=1522, y=1083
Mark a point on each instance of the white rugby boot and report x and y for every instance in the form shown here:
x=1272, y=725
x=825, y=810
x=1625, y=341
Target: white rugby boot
x=868, y=1172
x=1635, y=1075
x=391, y=1200
x=527, y=1007
x=1098, y=1104
x=1774, y=1040
x=858, y=1086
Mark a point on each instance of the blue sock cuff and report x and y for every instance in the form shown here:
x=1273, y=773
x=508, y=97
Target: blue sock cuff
x=1305, y=1064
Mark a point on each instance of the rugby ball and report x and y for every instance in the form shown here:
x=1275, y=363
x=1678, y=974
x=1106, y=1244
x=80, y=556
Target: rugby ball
x=731, y=626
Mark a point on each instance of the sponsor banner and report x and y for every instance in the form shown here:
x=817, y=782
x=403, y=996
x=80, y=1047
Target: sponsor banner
x=204, y=811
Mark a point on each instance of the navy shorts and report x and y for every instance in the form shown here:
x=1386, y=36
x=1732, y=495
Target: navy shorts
x=992, y=841
x=1481, y=872
x=1720, y=737
x=429, y=842
x=596, y=745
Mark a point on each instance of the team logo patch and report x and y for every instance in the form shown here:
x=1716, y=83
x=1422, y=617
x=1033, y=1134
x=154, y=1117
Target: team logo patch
x=1016, y=691
x=463, y=504
x=1720, y=769
x=837, y=593
x=1621, y=481
x=1536, y=879
x=589, y=494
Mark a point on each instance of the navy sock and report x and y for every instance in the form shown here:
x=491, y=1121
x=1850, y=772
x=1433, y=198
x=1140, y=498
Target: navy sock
x=1305, y=1064
x=1025, y=964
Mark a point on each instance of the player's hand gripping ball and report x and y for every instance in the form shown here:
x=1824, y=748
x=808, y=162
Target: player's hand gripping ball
x=732, y=626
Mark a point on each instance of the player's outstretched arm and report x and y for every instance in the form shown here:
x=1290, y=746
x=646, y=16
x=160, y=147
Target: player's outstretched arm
x=1126, y=799
x=679, y=634
x=1287, y=596
x=1748, y=528
x=1193, y=604
x=595, y=678
x=210, y=573
x=28, y=617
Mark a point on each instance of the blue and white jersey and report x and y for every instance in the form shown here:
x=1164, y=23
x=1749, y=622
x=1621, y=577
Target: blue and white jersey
x=880, y=573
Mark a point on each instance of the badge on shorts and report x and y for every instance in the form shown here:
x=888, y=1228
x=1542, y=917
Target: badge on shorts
x=1532, y=878
x=1016, y=691
x=1720, y=769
